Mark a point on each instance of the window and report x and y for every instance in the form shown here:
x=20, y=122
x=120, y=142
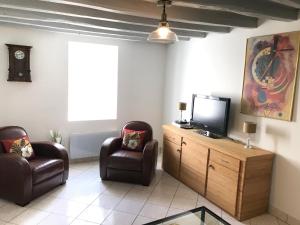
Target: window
x=93, y=81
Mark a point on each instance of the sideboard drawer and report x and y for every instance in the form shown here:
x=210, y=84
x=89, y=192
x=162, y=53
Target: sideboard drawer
x=225, y=160
x=172, y=137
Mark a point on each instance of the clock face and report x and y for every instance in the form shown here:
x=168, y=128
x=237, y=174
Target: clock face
x=19, y=54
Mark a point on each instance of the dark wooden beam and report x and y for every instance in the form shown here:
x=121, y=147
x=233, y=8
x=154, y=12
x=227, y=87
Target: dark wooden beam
x=175, y=13
x=83, y=12
x=256, y=8
x=89, y=23
x=69, y=31
x=77, y=28
x=291, y=3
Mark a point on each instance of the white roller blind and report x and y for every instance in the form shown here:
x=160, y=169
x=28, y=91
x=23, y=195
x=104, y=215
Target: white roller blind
x=92, y=81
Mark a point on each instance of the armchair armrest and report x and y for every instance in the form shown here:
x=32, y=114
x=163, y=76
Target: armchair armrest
x=15, y=178
x=149, y=160
x=53, y=150
x=49, y=149
x=107, y=148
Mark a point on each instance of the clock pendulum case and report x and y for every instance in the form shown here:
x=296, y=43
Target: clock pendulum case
x=19, y=63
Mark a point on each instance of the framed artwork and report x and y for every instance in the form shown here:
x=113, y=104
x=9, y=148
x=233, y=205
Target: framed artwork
x=271, y=67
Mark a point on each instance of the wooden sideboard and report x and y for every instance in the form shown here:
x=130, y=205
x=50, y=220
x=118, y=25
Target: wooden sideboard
x=234, y=178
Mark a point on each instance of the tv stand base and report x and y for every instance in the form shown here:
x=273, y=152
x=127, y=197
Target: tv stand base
x=209, y=134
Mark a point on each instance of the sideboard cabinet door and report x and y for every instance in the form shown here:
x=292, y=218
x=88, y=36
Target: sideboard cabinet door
x=193, y=166
x=222, y=186
x=171, y=158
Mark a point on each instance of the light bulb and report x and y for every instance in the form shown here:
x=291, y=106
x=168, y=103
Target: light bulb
x=163, y=31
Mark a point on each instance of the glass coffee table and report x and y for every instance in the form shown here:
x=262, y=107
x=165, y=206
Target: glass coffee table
x=198, y=216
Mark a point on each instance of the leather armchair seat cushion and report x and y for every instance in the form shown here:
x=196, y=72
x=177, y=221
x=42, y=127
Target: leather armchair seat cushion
x=44, y=168
x=125, y=160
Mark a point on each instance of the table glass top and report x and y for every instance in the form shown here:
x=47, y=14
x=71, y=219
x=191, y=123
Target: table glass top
x=198, y=216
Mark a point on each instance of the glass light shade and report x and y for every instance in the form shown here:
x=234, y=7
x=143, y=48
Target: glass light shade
x=163, y=34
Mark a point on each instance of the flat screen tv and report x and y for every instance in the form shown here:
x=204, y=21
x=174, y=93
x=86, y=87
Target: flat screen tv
x=210, y=114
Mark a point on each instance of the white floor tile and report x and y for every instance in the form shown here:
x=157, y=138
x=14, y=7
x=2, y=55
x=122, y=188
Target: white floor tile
x=3, y=222
x=3, y=202
x=183, y=203
x=107, y=201
x=30, y=217
x=140, y=220
x=73, y=172
x=173, y=211
x=154, y=211
x=228, y=218
x=43, y=203
x=87, y=200
x=204, y=202
x=61, y=206
x=265, y=219
x=55, y=219
x=82, y=222
x=279, y=222
x=144, y=188
x=165, y=189
x=185, y=192
x=117, y=218
x=68, y=208
x=94, y=214
x=138, y=195
x=129, y=206
x=160, y=199
x=10, y=211
x=119, y=191
x=169, y=180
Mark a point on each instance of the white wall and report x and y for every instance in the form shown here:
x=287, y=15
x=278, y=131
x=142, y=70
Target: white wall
x=42, y=105
x=215, y=66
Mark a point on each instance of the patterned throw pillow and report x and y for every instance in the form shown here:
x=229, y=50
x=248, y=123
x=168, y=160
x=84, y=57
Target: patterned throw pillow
x=20, y=146
x=133, y=140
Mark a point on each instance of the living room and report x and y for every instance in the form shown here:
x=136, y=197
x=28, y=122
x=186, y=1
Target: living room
x=150, y=81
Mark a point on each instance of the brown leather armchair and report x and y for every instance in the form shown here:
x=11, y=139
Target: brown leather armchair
x=129, y=166
x=22, y=180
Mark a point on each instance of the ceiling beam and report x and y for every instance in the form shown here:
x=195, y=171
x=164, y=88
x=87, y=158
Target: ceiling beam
x=77, y=28
x=82, y=12
x=256, y=8
x=69, y=26
x=89, y=23
x=291, y=3
x=175, y=13
x=69, y=31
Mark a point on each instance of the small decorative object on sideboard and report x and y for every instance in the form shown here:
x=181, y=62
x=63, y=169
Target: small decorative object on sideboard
x=56, y=136
x=249, y=128
x=181, y=107
x=19, y=63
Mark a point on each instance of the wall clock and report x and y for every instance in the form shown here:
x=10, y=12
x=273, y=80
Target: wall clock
x=19, y=63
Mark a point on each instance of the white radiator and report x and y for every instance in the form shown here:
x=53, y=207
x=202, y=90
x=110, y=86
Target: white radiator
x=88, y=145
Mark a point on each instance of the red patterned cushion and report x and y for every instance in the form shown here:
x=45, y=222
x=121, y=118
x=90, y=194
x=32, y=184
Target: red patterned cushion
x=20, y=146
x=133, y=140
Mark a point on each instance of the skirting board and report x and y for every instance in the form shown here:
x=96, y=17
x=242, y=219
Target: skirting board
x=284, y=217
x=88, y=159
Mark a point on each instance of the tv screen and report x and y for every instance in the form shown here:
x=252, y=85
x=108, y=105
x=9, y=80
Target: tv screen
x=210, y=113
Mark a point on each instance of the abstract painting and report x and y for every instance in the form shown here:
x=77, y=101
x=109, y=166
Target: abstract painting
x=270, y=75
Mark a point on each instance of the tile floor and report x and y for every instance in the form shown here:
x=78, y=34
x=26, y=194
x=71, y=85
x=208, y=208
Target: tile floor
x=86, y=200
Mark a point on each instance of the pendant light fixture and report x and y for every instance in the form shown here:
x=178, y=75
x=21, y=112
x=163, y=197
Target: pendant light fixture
x=163, y=33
